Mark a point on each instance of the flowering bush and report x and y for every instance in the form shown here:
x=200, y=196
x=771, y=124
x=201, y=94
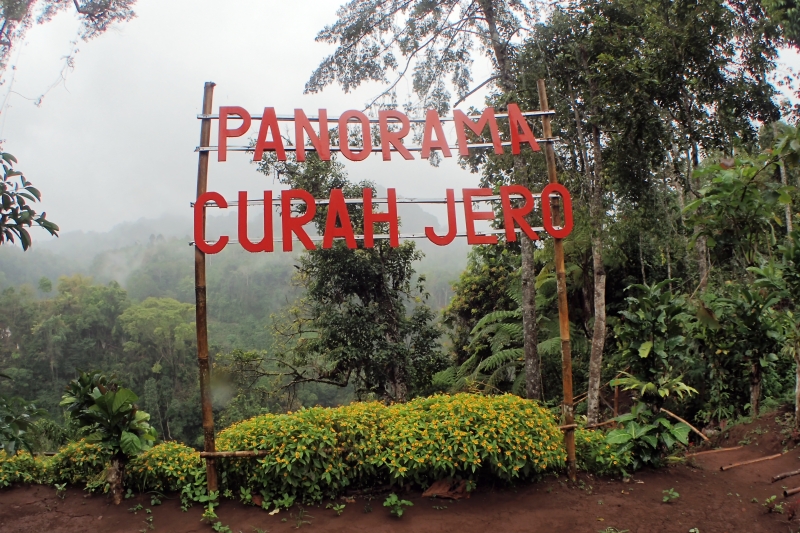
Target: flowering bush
x=79, y=462
x=317, y=452
x=168, y=466
x=22, y=468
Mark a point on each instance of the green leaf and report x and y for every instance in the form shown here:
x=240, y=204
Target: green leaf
x=124, y=396
x=130, y=443
x=644, y=349
x=618, y=436
x=681, y=432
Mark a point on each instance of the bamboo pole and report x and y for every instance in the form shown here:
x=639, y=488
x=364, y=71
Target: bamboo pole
x=751, y=461
x=790, y=492
x=785, y=475
x=718, y=450
x=601, y=424
x=200, y=296
x=561, y=282
x=243, y=453
x=679, y=419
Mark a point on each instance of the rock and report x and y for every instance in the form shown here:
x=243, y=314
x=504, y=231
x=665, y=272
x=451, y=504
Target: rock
x=447, y=488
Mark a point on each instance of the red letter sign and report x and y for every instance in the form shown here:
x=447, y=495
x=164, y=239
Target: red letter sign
x=461, y=121
x=337, y=208
x=516, y=122
x=566, y=210
x=321, y=142
x=434, y=125
x=451, y=223
x=517, y=214
x=269, y=123
x=371, y=218
x=294, y=225
x=200, y=222
x=224, y=132
x=344, y=138
x=393, y=138
x=471, y=216
x=266, y=244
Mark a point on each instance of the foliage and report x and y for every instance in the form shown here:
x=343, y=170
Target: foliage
x=670, y=495
x=23, y=468
x=396, y=505
x=646, y=437
x=596, y=455
x=16, y=416
x=318, y=452
x=16, y=215
x=365, y=318
x=167, y=467
x=80, y=462
x=109, y=414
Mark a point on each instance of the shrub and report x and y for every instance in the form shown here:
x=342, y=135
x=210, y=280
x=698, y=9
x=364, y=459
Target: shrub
x=168, y=466
x=80, y=462
x=317, y=452
x=23, y=468
x=596, y=455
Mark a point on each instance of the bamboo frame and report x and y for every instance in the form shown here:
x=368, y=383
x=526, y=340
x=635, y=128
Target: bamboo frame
x=209, y=444
x=204, y=148
x=561, y=284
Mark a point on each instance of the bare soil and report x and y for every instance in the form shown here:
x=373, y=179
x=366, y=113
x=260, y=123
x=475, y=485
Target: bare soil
x=710, y=500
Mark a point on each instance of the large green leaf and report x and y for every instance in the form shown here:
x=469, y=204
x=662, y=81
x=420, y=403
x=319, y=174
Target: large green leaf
x=618, y=436
x=130, y=443
x=681, y=432
x=123, y=396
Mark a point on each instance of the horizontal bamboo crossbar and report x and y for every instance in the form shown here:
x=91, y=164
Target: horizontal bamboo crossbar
x=390, y=120
x=245, y=453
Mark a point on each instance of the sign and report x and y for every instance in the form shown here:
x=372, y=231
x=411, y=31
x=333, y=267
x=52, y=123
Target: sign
x=392, y=126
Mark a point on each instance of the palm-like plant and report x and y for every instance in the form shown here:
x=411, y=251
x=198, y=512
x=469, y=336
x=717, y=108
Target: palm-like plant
x=108, y=414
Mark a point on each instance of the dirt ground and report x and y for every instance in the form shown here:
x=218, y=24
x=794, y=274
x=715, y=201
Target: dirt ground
x=710, y=501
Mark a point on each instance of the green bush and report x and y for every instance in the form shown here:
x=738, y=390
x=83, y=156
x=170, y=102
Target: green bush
x=166, y=467
x=317, y=452
x=596, y=455
x=23, y=468
x=80, y=462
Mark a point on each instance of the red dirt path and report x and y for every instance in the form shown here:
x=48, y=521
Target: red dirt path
x=710, y=500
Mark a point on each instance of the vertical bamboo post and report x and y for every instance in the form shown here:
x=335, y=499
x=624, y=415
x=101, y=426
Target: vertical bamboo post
x=200, y=296
x=561, y=282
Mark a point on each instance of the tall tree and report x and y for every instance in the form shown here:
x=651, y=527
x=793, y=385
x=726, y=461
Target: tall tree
x=640, y=87
x=435, y=42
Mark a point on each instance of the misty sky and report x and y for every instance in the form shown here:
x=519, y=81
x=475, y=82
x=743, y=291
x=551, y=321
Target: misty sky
x=114, y=142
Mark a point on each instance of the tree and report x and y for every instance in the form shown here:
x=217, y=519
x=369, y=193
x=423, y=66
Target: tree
x=107, y=413
x=363, y=319
x=436, y=41
x=640, y=89
x=787, y=14
x=16, y=215
x=96, y=16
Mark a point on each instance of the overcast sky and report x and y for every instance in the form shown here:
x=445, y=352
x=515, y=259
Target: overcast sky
x=115, y=141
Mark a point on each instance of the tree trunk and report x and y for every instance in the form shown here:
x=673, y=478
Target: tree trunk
x=114, y=477
x=533, y=365
x=755, y=388
x=598, y=333
x=797, y=389
x=597, y=214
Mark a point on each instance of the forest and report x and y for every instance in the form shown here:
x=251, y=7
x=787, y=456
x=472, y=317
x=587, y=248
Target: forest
x=679, y=144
